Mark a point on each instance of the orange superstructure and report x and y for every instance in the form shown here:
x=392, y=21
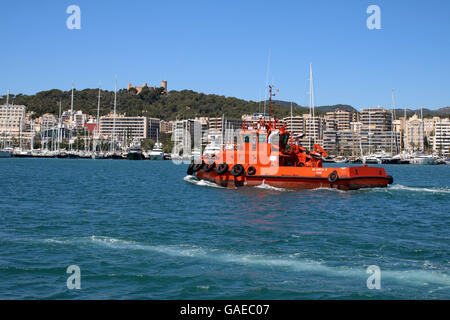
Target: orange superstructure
x=269, y=154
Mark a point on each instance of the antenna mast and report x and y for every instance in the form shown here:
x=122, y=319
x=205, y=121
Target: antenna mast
x=267, y=82
x=311, y=104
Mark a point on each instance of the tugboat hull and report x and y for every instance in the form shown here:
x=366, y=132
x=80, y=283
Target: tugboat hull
x=352, y=178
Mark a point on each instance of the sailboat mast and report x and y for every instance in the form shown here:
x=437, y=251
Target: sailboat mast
x=267, y=83
x=71, y=104
x=114, y=119
x=98, y=108
x=311, y=104
x=270, y=104
x=405, y=129
x=291, y=125
x=423, y=129
x=369, y=134
x=5, y=130
x=392, y=122
x=59, y=124
x=97, y=126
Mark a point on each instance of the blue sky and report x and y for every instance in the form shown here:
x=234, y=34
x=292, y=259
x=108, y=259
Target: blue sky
x=222, y=47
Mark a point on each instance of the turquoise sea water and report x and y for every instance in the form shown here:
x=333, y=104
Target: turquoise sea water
x=143, y=230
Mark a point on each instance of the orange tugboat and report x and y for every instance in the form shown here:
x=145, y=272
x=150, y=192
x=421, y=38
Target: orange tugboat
x=269, y=154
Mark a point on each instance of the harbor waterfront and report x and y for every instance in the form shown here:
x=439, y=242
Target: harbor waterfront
x=146, y=230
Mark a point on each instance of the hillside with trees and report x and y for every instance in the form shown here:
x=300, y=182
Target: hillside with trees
x=150, y=102
x=174, y=105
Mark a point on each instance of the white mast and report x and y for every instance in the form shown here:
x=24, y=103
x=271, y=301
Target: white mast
x=267, y=82
x=114, y=119
x=6, y=121
x=392, y=124
x=71, y=104
x=97, y=127
x=423, y=129
x=406, y=130
x=59, y=124
x=291, y=118
x=311, y=104
x=20, y=133
x=98, y=108
x=369, y=133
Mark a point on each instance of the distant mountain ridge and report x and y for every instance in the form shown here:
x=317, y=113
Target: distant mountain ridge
x=320, y=109
x=441, y=112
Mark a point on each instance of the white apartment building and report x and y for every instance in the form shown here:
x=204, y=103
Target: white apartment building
x=122, y=126
x=441, y=141
x=12, y=119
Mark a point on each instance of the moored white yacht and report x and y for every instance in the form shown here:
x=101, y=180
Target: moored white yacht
x=423, y=159
x=157, y=152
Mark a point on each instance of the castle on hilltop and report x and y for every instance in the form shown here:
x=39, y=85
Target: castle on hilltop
x=139, y=88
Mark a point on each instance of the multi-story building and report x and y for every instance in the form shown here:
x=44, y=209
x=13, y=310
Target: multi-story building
x=166, y=126
x=187, y=134
x=342, y=118
x=377, y=131
x=429, y=125
x=348, y=142
x=372, y=141
x=414, y=134
x=441, y=141
x=376, y=119
x=295, y=125
x=314, y=127
x=255, y=118
x=48, y=120
x=204, y=123
x=344, y=141
x=79, y=119
x=330, y=141
x=153, y=128
x=217, y=126
x=122, y=126
x=66, y=117
x=47, y=125
x=12, y=119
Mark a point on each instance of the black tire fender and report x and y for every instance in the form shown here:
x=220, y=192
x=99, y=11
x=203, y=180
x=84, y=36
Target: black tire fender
x=333, y=177
x=251, y=171
x=237, y=170
x=210, y=166
x=222, y=168
x=198, y=166
x=190, y=170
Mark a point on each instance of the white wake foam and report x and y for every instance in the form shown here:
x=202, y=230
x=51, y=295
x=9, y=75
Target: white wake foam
x=418, y=189
x=201, y=183
x=416, y=277
x=265, y=186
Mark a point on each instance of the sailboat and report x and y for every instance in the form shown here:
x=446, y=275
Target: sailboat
x=113, y=154
x=97, y=154
x=422, y=157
